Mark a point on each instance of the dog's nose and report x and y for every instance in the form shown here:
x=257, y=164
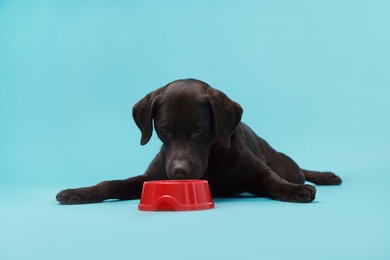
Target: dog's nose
x=180, y=170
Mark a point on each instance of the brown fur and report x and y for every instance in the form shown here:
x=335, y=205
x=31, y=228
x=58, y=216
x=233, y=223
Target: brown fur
x=203, y=138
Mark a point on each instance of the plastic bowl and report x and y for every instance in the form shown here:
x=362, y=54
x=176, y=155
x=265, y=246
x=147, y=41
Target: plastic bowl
x=175, y=195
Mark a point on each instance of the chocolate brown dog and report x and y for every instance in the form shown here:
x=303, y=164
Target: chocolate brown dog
x=203, y=138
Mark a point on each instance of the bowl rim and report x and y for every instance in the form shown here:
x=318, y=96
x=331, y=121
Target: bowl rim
x=174, y=182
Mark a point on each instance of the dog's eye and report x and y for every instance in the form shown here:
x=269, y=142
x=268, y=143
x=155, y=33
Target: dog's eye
x=164, y=131
x=198, y=131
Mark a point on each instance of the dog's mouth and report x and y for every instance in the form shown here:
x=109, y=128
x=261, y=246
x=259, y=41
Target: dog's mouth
x=183, y=176
x=183, y=170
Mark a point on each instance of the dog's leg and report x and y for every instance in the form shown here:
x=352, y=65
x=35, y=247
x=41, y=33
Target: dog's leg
x=286, y=168
x=261, y=180
x=118, y=189
x=322, y=178
x=283, y=190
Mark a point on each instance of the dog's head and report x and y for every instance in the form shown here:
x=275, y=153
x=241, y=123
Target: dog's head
x=189, y=118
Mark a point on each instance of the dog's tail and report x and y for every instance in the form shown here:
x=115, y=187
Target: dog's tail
x=322, y=178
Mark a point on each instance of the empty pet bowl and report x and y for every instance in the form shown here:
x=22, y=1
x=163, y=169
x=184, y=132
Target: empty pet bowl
x=176, y=195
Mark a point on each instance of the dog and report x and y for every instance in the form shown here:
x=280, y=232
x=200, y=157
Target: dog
x=203, y=138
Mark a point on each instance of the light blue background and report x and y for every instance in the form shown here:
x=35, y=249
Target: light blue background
x=313, y=78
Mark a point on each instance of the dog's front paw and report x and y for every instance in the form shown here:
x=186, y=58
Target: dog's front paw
x=302, y=193
x=75, y=196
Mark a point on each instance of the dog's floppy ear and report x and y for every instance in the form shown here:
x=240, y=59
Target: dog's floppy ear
x=226, y=114
x=143, y=114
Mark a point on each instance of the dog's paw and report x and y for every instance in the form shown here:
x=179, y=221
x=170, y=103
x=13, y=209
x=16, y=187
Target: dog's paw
x=75, y=196
x=331, y=179
x=302, y=193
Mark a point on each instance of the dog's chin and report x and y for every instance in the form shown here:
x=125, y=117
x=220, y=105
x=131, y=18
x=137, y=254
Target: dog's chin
x=185, y=177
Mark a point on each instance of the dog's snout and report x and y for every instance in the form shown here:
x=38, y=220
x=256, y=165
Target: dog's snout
x=180, y=170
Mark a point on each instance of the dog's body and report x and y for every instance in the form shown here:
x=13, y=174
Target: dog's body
x=203, y=138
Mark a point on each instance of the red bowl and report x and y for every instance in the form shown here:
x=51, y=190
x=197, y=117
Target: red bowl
x=176, y=195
